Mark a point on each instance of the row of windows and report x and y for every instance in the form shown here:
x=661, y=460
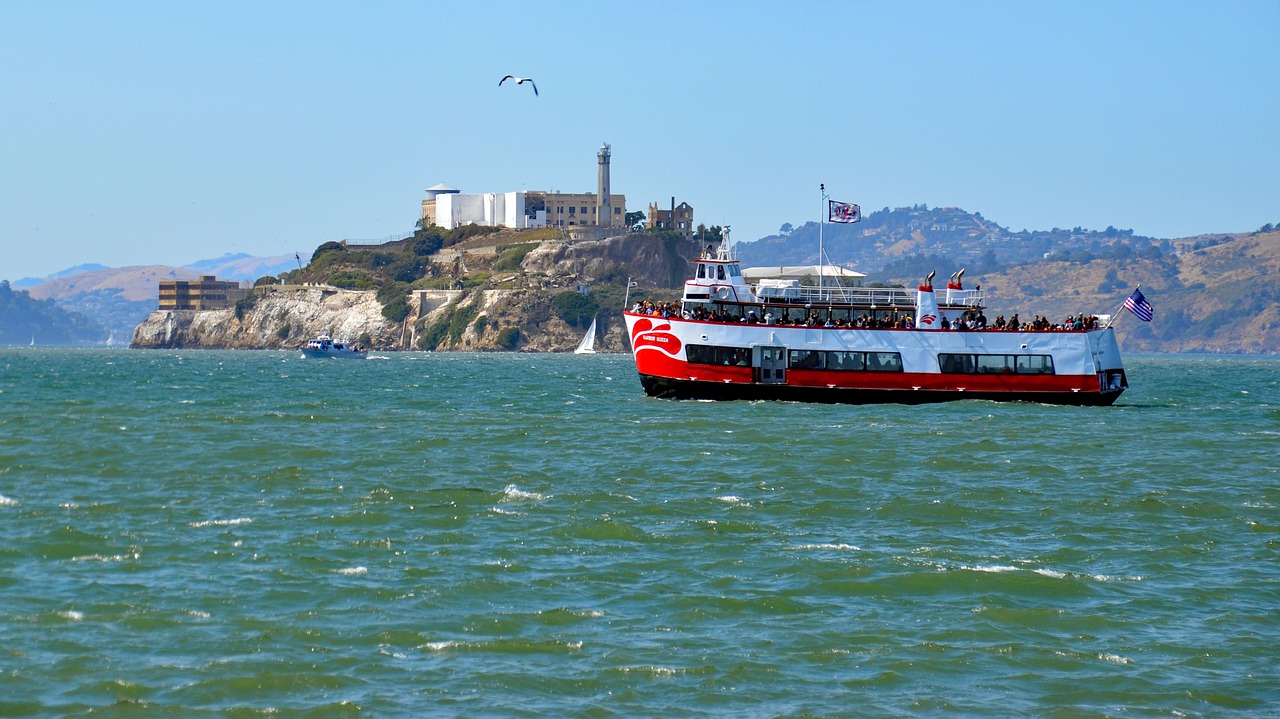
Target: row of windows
x=842, y=361
x=574, y=210
x=995, y=364
x=800, y=359
x=706, y=271
x=846, y=361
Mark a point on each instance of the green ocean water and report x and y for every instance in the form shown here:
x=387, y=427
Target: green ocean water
x=245, y=534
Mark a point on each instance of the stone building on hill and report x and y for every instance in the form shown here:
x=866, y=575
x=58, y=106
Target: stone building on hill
x=678, y=218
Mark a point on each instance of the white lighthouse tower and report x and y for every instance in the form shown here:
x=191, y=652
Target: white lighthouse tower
x=604, y=206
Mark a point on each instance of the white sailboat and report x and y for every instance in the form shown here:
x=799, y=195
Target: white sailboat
x=588, y=344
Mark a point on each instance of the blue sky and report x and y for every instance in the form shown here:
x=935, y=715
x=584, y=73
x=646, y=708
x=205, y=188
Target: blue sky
x=163, y=133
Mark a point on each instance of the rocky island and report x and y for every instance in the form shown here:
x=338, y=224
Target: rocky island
x=473, y=289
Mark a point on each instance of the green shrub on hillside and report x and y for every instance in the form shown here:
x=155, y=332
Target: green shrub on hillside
x=510, y=257
x=575, y=308
x=396, y=310
x=328, y=247
x=426, y=241
x=392, y=291
x=508, y=338
x=461, y=317
x=245, y=305
x=352, y=280
x=467, y=232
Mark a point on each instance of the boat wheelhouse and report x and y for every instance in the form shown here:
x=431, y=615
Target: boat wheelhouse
x=780, y=339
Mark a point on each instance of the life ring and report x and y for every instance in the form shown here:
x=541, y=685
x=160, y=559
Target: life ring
x=722, y=293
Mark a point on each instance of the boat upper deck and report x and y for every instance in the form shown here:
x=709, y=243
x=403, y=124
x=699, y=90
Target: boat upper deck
x=857, y=297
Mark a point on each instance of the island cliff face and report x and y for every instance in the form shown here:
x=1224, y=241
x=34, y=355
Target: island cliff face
x=283, y=317
x=537, y=306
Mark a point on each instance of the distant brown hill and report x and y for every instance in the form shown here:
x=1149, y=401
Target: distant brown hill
x=135, y=284
x=1218, y=298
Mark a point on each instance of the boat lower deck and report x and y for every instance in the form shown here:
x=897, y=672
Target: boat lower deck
x=668, y=388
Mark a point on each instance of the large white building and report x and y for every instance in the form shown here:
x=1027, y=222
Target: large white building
x=448, y=208
x=498, y=209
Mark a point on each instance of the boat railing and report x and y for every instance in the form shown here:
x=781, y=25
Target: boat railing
x=879, y=296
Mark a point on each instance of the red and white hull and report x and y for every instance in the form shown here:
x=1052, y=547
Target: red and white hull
x=693, y=359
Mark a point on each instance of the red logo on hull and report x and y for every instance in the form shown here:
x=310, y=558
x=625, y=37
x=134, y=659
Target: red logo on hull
x=927, y=319
x=648, y=334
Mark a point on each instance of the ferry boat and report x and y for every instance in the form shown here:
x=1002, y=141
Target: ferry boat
x=727, y=339
x=326, y=346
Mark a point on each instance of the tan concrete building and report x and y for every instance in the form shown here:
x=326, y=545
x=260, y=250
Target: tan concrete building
x=568, y=209
x=207, y=293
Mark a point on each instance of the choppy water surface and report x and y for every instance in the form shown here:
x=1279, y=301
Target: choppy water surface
x=250, y=534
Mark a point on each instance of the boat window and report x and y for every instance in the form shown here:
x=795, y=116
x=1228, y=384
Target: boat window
x=735, y=271
x=723, y=356
x=846, y=361
x=702, y=272
x=699, y=354
x=884, y=362
x=955, y=364
x=1035, y=364
x=995, y=364
x=807, y=359
x=720, y=272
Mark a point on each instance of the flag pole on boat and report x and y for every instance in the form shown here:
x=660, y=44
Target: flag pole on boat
x=626, y=298
x=822, y=216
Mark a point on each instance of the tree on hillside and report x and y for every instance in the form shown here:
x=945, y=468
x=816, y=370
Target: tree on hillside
x=710, y=235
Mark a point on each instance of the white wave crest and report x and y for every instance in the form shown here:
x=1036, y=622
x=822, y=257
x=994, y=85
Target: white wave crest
x=833, y=546
x=513, y=493
x=1109, y=578
x=352, y=570
x=104, y=558
x=7, y=502
x=994, y=568
x=71, y=615
x=441, y=646
x=221, y=522
x=653, y=671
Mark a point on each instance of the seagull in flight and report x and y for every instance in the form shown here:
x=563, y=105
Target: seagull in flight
x=520, y=81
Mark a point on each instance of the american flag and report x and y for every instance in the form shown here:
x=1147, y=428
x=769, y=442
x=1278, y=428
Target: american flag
x=843, y=212
x=1138, y=305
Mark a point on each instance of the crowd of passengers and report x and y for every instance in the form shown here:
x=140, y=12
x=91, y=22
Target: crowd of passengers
x=970, y=320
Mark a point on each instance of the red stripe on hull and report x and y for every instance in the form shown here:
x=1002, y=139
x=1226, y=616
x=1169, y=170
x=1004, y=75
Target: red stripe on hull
x=667, y=388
